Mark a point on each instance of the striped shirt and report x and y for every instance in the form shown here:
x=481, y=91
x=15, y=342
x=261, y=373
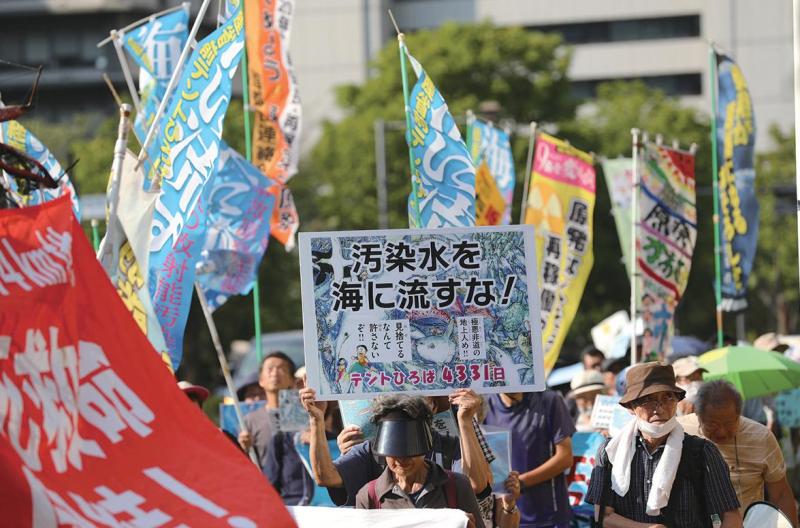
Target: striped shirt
x=685, y=507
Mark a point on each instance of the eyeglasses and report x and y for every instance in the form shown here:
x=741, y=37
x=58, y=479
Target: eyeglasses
x=652, y=402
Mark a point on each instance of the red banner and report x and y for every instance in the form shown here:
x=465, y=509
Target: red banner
x=93, y=430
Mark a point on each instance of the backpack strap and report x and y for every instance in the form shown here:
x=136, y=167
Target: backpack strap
x=450, y=490
x=374, y=503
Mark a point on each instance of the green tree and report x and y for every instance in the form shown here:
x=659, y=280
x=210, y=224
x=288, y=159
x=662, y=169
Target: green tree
x=773, y=289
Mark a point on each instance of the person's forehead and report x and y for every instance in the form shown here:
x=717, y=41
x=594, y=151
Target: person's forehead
x=275, y=362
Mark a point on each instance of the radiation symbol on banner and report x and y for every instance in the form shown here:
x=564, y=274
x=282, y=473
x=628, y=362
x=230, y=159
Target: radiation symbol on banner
x=544, y=209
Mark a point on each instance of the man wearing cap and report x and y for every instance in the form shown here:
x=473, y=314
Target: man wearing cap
x=586, y=386
x=689, y=377
x=749, y=448
x=652, y=473
x=409, y=481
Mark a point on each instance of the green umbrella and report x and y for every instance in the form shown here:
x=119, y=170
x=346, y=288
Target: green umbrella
x=753, y=371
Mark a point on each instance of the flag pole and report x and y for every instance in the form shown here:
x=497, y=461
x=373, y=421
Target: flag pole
x=528, y=168
x=633, y=269
x=110, y=245
x=248, y=150
x=402, y=45
x=712, y=75
x=126, y=70
x=223, y=363
x=470, y=123
x=173, y=81
x=796, y=50
x=95, y=234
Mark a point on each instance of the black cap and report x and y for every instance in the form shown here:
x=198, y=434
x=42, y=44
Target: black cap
x=400, y=436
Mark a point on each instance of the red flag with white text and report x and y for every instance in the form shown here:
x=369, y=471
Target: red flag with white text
x=93, y=430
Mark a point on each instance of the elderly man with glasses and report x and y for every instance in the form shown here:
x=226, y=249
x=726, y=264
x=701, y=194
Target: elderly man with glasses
x=652, y=474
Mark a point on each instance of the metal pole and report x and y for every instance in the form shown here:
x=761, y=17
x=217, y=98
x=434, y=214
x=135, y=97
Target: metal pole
x=634, y=224
x=380, y=173
x=173, y=81
x=527, y=177
x=126, y=70
x=796, y=48
x=223, y=362
x=248, y=150
x=95, y=234
x=712, y=74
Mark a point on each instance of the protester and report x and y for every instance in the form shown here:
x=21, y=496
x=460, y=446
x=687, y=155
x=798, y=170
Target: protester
x=276, y=373
x=592, y=358
x=651, y=473
x=689, y=377
x=409, y=481
x=541, y=451
x=359, y=464
x=750, y=450
x=586, y=386
x=249, y=390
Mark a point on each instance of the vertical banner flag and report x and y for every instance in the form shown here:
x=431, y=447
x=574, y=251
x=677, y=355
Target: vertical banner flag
x=493, y=145
x=619, y=180
x=273, y=88
x=13, y=134
x=421, y=310
x=665, y=240
x=127, y=273
x=736, y=136
x=489, y=203
x=93, y=429
x=584, y=458
x=444, y=174
x=561, y=207
x=276, y=100
x=240, y=206
x=187, y=150
x=155, y=47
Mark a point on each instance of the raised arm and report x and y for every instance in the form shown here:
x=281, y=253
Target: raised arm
x=473, y=461
x=325, y=473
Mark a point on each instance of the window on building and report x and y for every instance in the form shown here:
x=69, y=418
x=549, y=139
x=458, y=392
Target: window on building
x=625, y=30
x=679, y=84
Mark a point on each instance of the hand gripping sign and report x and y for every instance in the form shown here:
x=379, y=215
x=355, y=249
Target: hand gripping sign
x=93, y=430
x=423, y=310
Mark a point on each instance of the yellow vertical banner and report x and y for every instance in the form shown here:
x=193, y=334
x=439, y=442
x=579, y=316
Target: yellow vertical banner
x=489, y=203
x=561, y=207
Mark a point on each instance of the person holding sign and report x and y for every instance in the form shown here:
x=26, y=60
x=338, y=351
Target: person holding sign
x=651, y=474
x=586, y=386
x=541, y=451
x=409, y=481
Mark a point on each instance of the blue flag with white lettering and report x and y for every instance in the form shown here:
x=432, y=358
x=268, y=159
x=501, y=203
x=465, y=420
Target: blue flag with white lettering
x=184, y=158
x=239, y=210
x=493, y=145
x=155, y=47
x=443, y=173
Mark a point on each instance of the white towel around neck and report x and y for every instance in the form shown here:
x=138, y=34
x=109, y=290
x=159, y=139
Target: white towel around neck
x=620, y=452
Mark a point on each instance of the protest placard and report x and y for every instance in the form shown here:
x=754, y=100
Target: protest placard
x=424, y=310
x=603, y=410
x=291, y=414
x=445, y=423
x=584, y=454
x=227, y=415
x=787, y=404
x=620, y=417
x=356, y=412
x=94, y=428
x=499, y=441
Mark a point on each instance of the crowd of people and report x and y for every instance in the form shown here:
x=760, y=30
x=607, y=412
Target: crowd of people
x=689, y=457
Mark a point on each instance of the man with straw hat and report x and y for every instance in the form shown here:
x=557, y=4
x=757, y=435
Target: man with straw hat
x=651, y=473
x=586, y=386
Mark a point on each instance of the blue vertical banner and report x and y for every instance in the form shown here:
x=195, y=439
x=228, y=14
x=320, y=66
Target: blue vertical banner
x=184, y=158
x=444, y=174
x=736, y=134
x=13, y=134
x=240, y=206
x=493, y=145
x=155, y=47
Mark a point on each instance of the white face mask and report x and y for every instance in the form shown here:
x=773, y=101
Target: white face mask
x=657, y=430
x=691, y=389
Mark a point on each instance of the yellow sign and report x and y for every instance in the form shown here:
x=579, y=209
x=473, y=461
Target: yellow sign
x=489, y=203
x=561, y=206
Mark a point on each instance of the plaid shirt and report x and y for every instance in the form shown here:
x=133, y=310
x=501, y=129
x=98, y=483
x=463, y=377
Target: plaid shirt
x=718, y=491
x=488, y=454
